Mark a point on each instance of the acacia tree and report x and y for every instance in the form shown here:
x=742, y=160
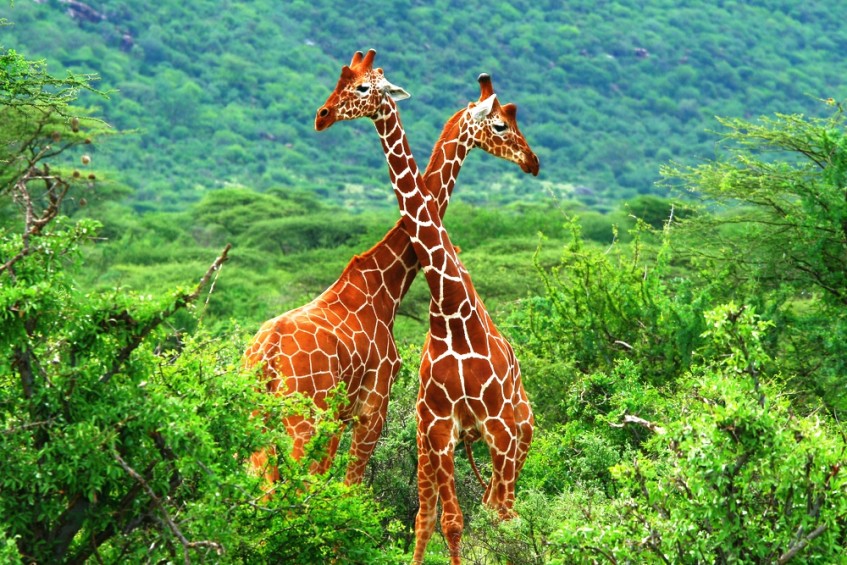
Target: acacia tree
x=780, y=234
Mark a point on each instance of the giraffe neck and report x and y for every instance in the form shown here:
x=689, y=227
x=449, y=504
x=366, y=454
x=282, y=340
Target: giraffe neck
x=446, y=160
x=392, y=263
x=421, y=216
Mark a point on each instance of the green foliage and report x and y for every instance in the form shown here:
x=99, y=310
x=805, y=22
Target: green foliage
x=731, y=475
x=785, y=242
x=601, y=306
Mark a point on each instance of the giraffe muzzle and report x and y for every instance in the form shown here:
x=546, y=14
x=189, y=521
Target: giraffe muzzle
x=324, y=118
x=531, y=165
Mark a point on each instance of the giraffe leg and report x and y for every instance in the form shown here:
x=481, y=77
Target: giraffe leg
x=438, y=445
x=260, y=460
x=301, y=431
x=366, y=432
x=525, y=422
x=260, y=463
x=503, y=445
x=427, y=503
x=322, y=466
x=525, y=429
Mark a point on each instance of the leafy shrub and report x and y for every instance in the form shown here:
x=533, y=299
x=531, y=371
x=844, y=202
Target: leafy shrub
x=604, y=306
x=731, y=474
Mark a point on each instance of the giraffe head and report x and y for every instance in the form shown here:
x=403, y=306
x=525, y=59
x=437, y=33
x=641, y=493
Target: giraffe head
x=494, y=128
x=359, y=93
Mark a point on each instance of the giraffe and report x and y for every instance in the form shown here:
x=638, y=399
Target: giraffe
x=346, y=333
x=470, y=382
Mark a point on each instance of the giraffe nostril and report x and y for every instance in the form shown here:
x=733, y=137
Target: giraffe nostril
x=323, y=112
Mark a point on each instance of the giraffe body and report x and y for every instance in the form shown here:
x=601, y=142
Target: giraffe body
x=470, y=379
x=346, y=333
x=342, y=336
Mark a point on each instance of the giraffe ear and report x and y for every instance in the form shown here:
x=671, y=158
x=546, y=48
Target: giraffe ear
x=392, y=90
x=483, y=109
x=510, y=110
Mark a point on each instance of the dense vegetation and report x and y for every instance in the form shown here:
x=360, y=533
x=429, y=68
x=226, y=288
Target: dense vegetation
x=222, y=94
x=685, y=357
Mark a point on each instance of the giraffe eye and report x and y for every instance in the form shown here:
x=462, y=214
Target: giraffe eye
x=500, y=128
x=363, y=88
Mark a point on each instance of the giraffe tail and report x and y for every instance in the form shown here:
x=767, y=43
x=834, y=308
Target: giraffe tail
x=469, y=451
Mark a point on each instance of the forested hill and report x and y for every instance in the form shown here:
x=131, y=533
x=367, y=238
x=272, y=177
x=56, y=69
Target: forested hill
x=225, y=92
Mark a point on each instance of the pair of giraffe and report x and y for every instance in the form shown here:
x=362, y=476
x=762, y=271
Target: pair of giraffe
x=470, y=383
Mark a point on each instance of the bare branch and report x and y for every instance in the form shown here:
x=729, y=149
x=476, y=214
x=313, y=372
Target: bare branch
x=180, y=302
x=28, y=425
x=799, y=546
x=630, y=419
x=186, y=545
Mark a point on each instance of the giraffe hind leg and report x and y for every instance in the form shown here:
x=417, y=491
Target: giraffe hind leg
x=503, y=445
x=322, y=466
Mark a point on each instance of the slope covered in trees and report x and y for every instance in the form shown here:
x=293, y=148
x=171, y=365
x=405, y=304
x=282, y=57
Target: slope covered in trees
x=222, y=93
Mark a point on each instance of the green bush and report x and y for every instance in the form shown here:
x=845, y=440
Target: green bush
x=601, y=306
x=730, y=474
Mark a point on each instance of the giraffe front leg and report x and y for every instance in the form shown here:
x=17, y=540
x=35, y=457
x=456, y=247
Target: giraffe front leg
x=260, y=460
x=437, y=443
x=366, y=432
x=427, y=503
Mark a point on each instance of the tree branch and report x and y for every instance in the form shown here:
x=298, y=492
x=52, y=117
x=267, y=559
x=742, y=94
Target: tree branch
x=180, y=302
x=630, y=419
x=800, y=545
x=186, y=545
x=57, y=188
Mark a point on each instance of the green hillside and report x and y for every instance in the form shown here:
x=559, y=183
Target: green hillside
x=222, y=93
